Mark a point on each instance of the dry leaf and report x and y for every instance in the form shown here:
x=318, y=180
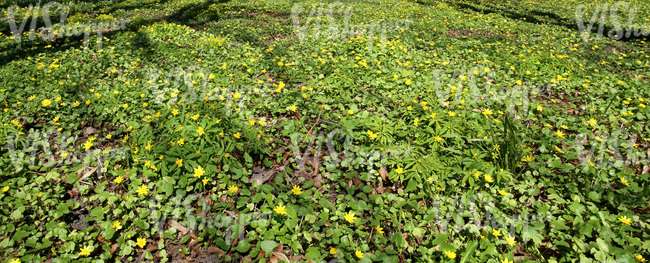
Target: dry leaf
x=178, y=227
x=193, y=243
x=216, y=250
x=317, y=181
x=87, y=174
x=280, y=248
x=383, y=173
x=114, y=247
x=261, y=176
x=299, y=258
x=278, y=257
x=246, y=259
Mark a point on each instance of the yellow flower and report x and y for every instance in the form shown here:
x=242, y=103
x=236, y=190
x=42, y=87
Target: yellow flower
x=511, y=241
x=625, y=220
x=179, y=162
x=359, y=254
x=506, y=261
x=640, y=258
x=333, y=251
x=501, y=192
x=142, y=190
x=372, y=135
x=118, y=180
x=450, y=254
x=408, y=82
x=416, y=121
x=489, y=178
x=195, y=117
x=200, y=131
x=109, y=136
x=175, y=112
x=15, y=260
x=181, y=142
x=46, y=102
x=5, y=189
x=349, y=217
x=198, y=172
x=559, y=134
x=528, y=158
x=487, y=112
x=379, y=230
x=85, y=251
x=296, y=190
x=294, y=108
x=399, y=170
x=437, y=139
x=233, y=188
x=116, y=225
x=205, y=181
x=593, y=122
x=149, y=145
x=496, y=233
x=141, y=242
x=280, y=209
x=88, y=144
x=623, y=181
x=237, y=135
x=350, y=112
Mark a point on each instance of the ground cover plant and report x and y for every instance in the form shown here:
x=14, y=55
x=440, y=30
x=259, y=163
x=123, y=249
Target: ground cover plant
x=353, y=131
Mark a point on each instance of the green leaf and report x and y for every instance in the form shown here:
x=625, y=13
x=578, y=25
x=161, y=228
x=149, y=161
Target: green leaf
x=268, y=246
x=17, y=214
x=470, y=250
x=313, y=253
x=602, y=245
x=399, y=240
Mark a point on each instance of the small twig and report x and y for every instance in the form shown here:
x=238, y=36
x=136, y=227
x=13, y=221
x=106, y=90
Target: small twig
x=85, y=182
x=317, y=120
x=330, y=122
x=79, y=58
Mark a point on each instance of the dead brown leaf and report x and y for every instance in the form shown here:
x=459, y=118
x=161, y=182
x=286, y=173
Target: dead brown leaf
x=246, y=259
x=299, y=258
x=383, y=173
x=260, y=176
x=114, y=247
x=178, y=227
x=216, y=250
x=278, y=257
